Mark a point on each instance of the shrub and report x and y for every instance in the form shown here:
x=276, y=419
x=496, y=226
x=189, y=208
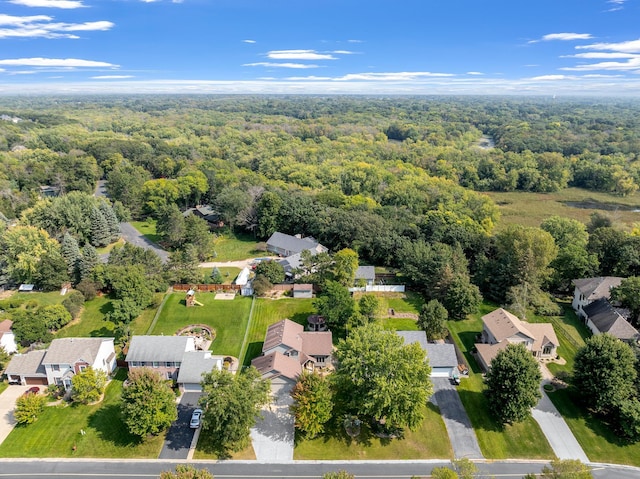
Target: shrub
x=73, y=303
x=88, y=288
x=30, y=305
x=28, y=408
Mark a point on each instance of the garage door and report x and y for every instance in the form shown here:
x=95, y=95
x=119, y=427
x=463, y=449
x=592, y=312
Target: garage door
x=38, y=381
x=440, y=372
x=192, y=387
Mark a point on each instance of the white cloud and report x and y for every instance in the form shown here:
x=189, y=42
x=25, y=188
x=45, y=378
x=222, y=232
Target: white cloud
x=617, y=5
x=42, y=26
x=66, y=4
x=248, y=41
x=280, y=65
x=355, y=41
x=475, y=73
x=631, y=46
x=391, y=76
x=343, y=52
x=563, y=37
x=599, y=75
x=299, y=55
x=601, y=55
x=631, y=64
x=55, y=62
x=111, y=77
x=551, y=77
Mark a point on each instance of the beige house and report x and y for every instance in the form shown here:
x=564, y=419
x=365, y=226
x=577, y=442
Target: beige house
x=288, y=349
x=501, y=328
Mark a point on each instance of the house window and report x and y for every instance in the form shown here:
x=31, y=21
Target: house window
x=320, y=359
x=82, y=367
x=169, y=376
x=156, y=364
x=55, y=367
x=547, y=350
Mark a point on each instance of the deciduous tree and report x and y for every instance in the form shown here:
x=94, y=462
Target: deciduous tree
x=186, y=472
x=312, y=404
x=345, y=265
x=433, y=319
x=88, y=385
x=628, y=293
x=148, y=403
x=272, y=270
x=337, y=306
x=566, y=469
x=513, y=384
x=28, y=408
x=382, y=379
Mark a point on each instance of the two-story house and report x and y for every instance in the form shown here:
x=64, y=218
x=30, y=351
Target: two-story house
x=288, y=349
x=501, y=328
x=162, y=353
x=588, y=290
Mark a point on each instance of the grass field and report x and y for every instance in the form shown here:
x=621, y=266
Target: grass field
x=109, y=247
x=57, y=431
x=430, y=441
x=3, y=385
x=39, y=299
x=269, y=311
x=204, y=452
x=229, y=274
x=532, y=208
x=598, y=442
x=521, y=440
x=234, y=247
x=147, y=229
x=228, y=318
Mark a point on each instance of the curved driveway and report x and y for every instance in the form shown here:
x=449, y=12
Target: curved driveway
x=133, y=236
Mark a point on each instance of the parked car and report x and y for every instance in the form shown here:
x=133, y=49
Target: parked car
x=32, y=390
x=196, y=418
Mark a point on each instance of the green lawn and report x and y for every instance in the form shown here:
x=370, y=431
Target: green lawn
x=91, y=322
x=531, y=209
x=109, y=247
x=234, y=247
x=598, y=441
x=400, y=324
x=3, y=385
x=522, y=440
x=148, y=229
x=430, y=441
x=38, y=299
x=57, y=431
x=228, y=318
x=229, y=274
x=269, y=311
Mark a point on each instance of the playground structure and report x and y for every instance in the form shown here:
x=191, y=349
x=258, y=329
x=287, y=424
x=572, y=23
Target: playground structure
x=190, y=299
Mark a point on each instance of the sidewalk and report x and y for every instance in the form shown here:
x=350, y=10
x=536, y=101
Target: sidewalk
x=7, y=405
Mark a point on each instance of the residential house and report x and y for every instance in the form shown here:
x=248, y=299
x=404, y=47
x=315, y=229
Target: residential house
x=442, y=357
x=48, y=191
x=303, y=290
x=501, y=328
x=601, y=317
x=162, y=353
x=287, y=245
x=588, y=290
x=193, y=366
x=7, y=338
x=207, y=213
x=366, y=275
x=288, y=349
x=64, y=358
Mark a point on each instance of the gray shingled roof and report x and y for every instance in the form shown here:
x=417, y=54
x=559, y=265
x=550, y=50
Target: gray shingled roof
x=72, y=350
x=419, y=337
x=158, y=348
x=607, y=320
x=291, y=243
x=596, y=288
x=195, y=364
x=29, y=364
x=366, y=272
x=442, y=355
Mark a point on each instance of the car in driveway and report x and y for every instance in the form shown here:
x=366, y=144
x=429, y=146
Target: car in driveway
x=32, y=390
x=196, y=418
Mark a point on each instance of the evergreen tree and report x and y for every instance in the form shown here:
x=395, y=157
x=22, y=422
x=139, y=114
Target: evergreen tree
x=71, y=253
x=88, y=261
x=100, y=233
x=112, y=221
x=216, y=276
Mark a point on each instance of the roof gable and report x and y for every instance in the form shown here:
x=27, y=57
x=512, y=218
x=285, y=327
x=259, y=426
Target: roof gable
x=596, y=288
x=159, y=348
x=73, y=350
x=291, y=243
x=607, y=319
x=284, y=333
x=502, y=325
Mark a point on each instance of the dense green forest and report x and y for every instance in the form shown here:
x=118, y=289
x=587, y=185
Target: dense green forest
x=400, y=180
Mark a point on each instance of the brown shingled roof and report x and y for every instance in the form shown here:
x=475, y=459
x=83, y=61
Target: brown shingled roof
x=279, y=365
x=317, y=343
x=543, y=333
x=502, y=324
x=285, y=332
x=5, y=326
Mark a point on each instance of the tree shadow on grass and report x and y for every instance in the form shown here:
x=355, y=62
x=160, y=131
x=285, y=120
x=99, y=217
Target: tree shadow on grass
x=477, y=407
x=103, y=332
x=253, y=351
x=109, y=426
x=106, y=307
x=301, y=318
x=209, y=443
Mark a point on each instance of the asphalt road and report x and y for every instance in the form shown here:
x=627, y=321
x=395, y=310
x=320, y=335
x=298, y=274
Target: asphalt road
x=133, y=236
x=179, y=436
x=132, y=469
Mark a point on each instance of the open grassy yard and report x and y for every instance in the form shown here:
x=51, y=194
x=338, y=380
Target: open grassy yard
x=532, y=208
x=522, y=440
x=35, y=298
x=57, y=431
x=229, y=274
x=205, y=452
x=599, y=443
x=430, y=441
x=400, y=324
x=228, y=318
x=269, y=311
x=147, y=229
x=109, y=247
x=233, y=247
x=3, y=385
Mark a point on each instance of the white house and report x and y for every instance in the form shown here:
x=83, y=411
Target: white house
x=7, y=338
x=66, y=357
x=589, y=290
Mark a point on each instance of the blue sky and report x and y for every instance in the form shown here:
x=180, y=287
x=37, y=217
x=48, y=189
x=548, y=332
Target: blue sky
x=549, y=47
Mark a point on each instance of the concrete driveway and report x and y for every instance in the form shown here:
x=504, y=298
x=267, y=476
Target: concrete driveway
x=554, y=427
x=273, y=436
x=179, y=437
x=7, y=405
x=461, y=434
x=133, y=236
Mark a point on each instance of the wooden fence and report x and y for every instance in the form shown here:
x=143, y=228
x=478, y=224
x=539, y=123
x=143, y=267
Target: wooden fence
x=203, y=288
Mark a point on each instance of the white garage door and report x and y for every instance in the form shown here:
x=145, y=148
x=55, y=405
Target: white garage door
x=440, y=372
x=192, y=387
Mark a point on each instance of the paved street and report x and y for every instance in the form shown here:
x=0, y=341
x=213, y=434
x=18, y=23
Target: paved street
x=179, y=437
x=7, y=405
x=133, y=236
x=461, y=434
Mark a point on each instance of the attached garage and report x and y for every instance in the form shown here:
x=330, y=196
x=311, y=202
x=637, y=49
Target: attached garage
x=27, y=369
x=441, y=372
x=194, y=365
x=442, y=357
